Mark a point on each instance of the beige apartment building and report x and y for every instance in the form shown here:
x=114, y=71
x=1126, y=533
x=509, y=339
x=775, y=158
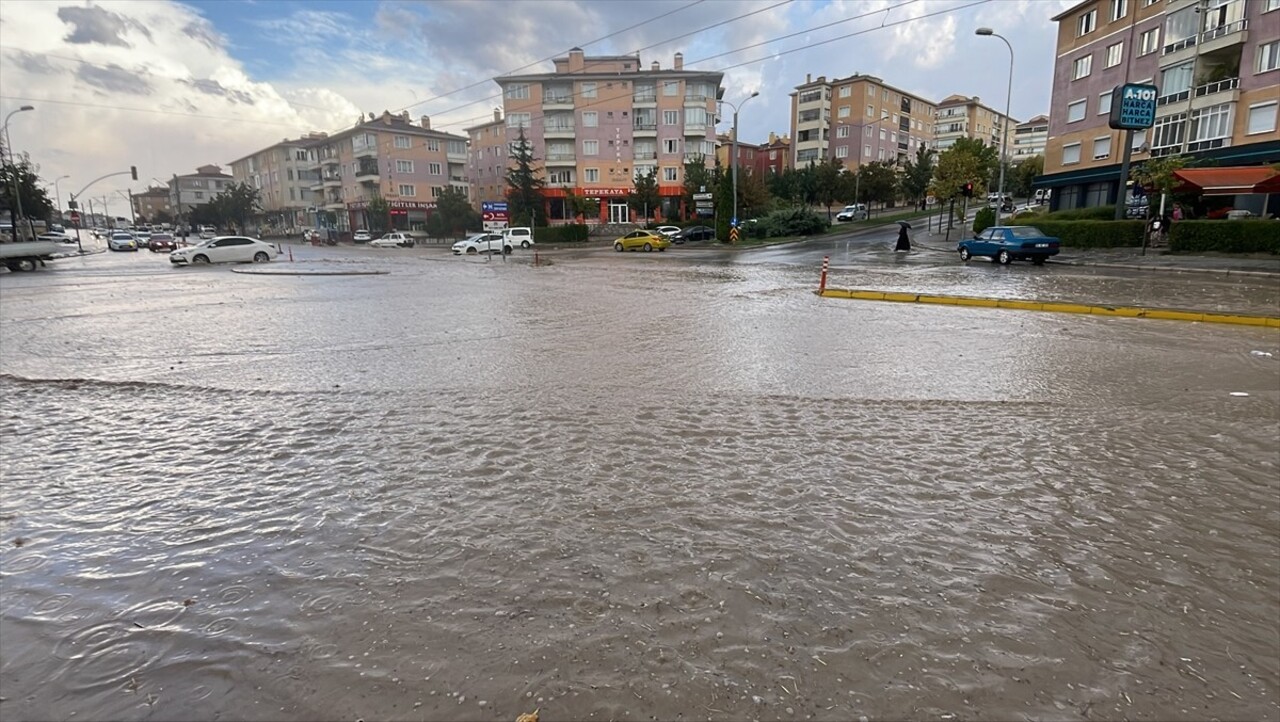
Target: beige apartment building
x=489, y=155
x=1029, y=139
x=406, y=163
x=196, y=189
x=283, y=175
x=960, y=116
x=598, y=122
x=1215, y=63
x=858, y=119
x=151, y=203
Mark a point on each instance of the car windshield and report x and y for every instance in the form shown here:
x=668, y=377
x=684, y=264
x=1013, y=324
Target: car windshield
x=1025, y=232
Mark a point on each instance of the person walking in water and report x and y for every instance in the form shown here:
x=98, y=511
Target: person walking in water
x=904, y=242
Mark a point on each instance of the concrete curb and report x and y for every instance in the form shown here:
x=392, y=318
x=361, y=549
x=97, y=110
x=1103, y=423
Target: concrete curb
x=250, y=272
x=1168, y=269
x=1055, y=307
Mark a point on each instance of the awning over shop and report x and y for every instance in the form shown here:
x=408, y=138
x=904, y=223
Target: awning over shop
x=1228, y=181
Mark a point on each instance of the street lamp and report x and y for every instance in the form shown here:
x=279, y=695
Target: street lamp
x=17, y=194
x=1004, y=126
x=733, y=153
x=58, y=196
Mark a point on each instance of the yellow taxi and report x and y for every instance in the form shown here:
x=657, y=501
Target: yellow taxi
x=638, y=239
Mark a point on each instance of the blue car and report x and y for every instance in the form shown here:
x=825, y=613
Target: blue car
x=1004, y=244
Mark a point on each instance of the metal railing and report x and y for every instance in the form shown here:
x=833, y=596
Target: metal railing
x=1220, y=86
x=1178, y=45
x=555, y=157
x=645, y=126
x=1227, y=29
x=1208, y=144
x=558, y=100
x=1173, y=97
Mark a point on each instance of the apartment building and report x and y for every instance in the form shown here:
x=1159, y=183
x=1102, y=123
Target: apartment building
x=487, y=160
x=747, y=153
x=598, y=122
x=1029, y=139
x=152, y=203
x=196, y=189
x=764, y=159
x=1216, y=64
x=858, y=119
x=775, y=155
x=388, y=156
x=960, y=116
x=283, y=175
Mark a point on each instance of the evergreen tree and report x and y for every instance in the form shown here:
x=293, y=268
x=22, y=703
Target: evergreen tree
x=524, y=185
x=827, y=182
x=697, y=177
x=645, y=197
x=36, y=203
x=455, y=213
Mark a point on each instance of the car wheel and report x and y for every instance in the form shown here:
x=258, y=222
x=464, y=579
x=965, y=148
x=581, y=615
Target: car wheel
x=524, y=245
x=648, y=247
x=617, y=247
x=1003, y=258
x=472, y=251
x=660, y=250
x=965, y=255
x=200, y=259
x=23, y=264
x=506, y=250
x=261, y=257
x=1039, y=260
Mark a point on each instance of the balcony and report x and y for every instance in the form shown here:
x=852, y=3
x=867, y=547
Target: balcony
x=1222, y=91
x=1178, y=51
x=561, y=159
x=1211, y=144
x=331, y=180
x=561, y=183
x=645, y=155
x=1177, y=97
x=368, y=151
x=334, y=205
x=558, y=131
x=644, y=128
x=696, y=98
x=1167, y=150
x=698, y=129
x=1224, y=36
x=368, y=176
x=558, y=102
x=644, y=100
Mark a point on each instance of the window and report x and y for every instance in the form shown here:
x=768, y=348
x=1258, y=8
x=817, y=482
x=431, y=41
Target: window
x=671, y=145
x=588, y=90
x=434, y=169
x=1149, y=42
x=883, y=134
x=516, y=120
x=1180, y=25
x=1104, y=102
x=407, y=190
x=1176, y=79
x=199, y=194
x=871, y=111
x=1269, y=5
x=1119, y=8
x=1262, y=118
x=591, y=147
x=436, y=191
x=1115, y=54
x=842, y=131
x=1085, y=23
x=1211, y=123
x=1071, y=153
x=866, y=151
x=842, y=151
x=402, y=141
x=1268, y=56
x=866, y=130
x=843, y=112
x=433, y=145
x=518, y=91
x=591, y=175
x=670, y=174
x=1075, y=111
x=1102, y=147
x=406, y=166
x=590, y=119
x=871, y=91
x=847, y=90
x=1082, y=67
x=671, y=117
x=1167, y=131
x=671, y=88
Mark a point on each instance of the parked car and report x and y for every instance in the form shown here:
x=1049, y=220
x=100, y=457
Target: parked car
x=142, y=237
x=55, y=236
x=1004, y=244
x=518, y=237
x=207, y=232
x=482, y=243
x=395, y=239
x=648, y=240
x=694, y=233
x=362, y=236
x=161, y=242
x=669, y=231
x=852, y=212
x=121, y=241
x=224, y=249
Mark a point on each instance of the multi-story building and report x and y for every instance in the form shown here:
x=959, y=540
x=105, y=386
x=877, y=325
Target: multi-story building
x=408, y=165
x=1216, y=64
x=598, y=122
x=196, y=189
x=487, y=160
x=747, y=153
x=858, y=119
x=283, y=175
x=775, y=155
x=763, y=159
x=1028, y=139
x=151, y=204
x=963, y=117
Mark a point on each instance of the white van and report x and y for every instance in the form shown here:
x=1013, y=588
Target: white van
x=518, y=237
x=1043, y=195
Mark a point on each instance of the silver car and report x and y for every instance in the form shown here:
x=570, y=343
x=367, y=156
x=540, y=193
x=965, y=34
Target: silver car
x=224, y=249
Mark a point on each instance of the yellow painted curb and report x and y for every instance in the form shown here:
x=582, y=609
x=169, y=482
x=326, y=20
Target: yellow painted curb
x=1054, y=307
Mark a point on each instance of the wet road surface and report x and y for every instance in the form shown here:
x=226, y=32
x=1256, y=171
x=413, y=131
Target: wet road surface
x=639, y=487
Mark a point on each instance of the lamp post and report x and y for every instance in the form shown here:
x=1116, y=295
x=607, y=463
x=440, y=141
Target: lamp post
x=733, y=152
x=17, y=194
x=1004, y=126
x=58, y=196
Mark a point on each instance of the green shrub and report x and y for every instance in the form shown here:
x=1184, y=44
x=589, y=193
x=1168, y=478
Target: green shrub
x=1097, y=213
x=1255, y=236
x=571, y=233
x=985, y=219
x=791, y=222
x=1092, y=234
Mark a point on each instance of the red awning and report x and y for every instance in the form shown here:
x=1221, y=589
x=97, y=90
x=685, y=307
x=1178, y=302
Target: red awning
x=1229, y=181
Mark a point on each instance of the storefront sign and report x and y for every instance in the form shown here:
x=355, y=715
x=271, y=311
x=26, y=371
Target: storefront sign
x=395, y=205
x=1133, y=106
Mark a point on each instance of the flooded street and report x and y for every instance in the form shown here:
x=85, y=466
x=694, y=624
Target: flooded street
x=636, y=486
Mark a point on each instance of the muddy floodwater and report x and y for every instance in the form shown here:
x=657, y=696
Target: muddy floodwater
x=635, y=487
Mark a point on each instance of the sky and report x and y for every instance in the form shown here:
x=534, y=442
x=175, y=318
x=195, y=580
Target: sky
x=168, y=86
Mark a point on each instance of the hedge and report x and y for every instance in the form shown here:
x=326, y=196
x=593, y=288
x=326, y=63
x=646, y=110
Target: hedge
x=1093, y=234
x=985, y=219
x=1096, y=213
x=571, y=233
x=1256, y=236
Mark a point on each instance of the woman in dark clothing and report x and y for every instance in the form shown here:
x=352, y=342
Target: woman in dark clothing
x=904, y=243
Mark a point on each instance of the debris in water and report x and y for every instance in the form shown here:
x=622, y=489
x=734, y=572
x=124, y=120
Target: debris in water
x=528, y=716
x=1262, y=353
x=19, y=542
x=1239, y=393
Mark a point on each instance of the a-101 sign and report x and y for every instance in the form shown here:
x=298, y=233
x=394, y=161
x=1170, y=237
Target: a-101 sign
x=1133, y=106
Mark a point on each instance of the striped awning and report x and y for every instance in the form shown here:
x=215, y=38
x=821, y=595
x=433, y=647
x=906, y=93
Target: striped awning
x=1228, y=181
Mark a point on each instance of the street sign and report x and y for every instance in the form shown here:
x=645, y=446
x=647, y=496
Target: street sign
x=1133, y=106
x=930, y=200
x=75, y=217
x=702, y=196
x=733, y=234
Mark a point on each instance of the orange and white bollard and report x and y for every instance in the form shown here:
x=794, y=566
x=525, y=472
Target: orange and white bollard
x=535, y=258
x=822, y=283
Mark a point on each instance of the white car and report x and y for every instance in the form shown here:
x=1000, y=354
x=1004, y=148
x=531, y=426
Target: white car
x=394, y=239
x=121, y=241
x=225, y=249
x=519, y=237
x=361, y=236
x=56, y=236
x=853, y=212
x=482, y=243
x=668, y=231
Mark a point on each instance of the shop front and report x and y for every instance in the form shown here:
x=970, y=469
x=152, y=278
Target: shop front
x=405, y=215
x=614, y=205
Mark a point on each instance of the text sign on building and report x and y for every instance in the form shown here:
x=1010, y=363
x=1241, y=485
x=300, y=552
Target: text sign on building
x=1133, y=106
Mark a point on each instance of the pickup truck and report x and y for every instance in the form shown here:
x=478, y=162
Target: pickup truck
x=518, y=237
x=28, y=255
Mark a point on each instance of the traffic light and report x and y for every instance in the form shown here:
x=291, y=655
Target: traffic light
x=967, y=190
x=72, y=204
x=133, y=170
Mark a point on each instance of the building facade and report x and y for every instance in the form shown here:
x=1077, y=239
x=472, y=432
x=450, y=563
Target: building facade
x=599, y=122
x=859, y=119
x=388, y=156
x=964, y=117
x=487, y=161
x=151, y=204
x=283, y=176
x=764, y=159
x=775, y=155
x=1216, y=64
x=1029, y=139
x=196, y=189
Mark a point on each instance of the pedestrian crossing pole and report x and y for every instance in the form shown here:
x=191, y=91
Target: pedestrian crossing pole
x=822, y=282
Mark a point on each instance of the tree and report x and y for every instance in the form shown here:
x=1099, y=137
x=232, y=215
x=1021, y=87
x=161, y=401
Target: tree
x=878, y=182
x=753, y=195
x=36, y=203
x=644, y=199
x=378, y=214
x=525, y=184
x=827, y=182
x=782, y=186
x=582, y=206
x=956, y=166
x=917, y=173
x=987, y=155
x=698, y=177
x=1025, y=174
x=1156, y=175
x=455, y=213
